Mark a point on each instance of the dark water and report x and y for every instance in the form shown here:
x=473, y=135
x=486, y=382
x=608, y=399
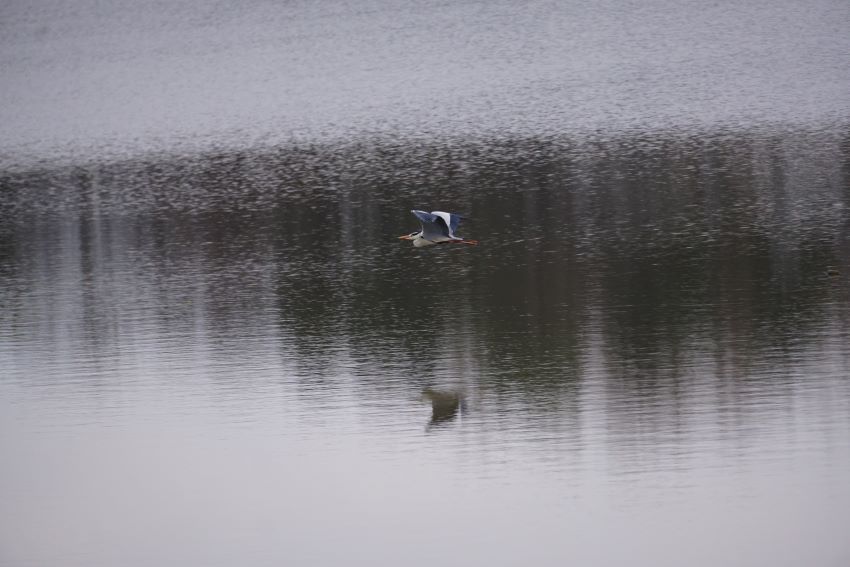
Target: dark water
x=215, y=351
x=229, y=357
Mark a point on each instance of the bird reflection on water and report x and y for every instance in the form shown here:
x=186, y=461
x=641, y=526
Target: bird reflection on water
x=446, y=405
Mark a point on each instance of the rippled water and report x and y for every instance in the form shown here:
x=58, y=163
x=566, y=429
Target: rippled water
x=231, y=358
x=120, y=77
x=214, y=350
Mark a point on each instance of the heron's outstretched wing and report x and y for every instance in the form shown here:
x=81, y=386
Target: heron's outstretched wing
x=453, y=223
x=451, y=220
x=434, y=227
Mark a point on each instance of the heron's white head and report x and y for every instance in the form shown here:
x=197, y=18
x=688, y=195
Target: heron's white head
x=411, y=236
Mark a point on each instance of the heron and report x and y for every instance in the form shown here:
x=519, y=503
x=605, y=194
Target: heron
x=437, y=228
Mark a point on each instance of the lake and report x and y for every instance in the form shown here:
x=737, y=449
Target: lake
x=214, y=350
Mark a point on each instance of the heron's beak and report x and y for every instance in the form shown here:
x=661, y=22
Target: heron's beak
x=406, y=237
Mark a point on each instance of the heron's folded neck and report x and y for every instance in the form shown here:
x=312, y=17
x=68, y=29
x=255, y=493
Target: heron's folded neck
x=420, y=241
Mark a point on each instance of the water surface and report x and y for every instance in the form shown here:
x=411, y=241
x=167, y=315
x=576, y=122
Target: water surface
x=84, y=77
x=231, y=358
x=214, y=350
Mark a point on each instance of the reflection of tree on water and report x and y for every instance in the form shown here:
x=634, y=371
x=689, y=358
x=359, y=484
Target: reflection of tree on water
x=445, y=406
x=653, y=241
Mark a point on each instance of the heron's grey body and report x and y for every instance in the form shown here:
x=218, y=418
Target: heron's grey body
x=437, y=227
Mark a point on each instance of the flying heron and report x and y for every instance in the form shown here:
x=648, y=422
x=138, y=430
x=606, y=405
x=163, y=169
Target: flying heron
x=437, y=228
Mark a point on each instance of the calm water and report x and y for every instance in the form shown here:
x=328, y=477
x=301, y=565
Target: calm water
x=214, y=351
